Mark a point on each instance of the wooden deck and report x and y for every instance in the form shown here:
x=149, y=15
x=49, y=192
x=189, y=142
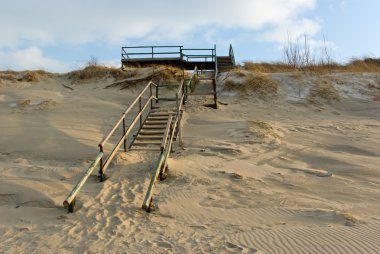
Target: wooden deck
x=186, y=58
x=169, y=61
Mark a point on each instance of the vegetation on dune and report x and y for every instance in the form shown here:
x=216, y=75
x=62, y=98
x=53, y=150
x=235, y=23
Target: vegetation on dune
x=248, y=82
x=323, y=92
x=25, y=76
x=355, y=65
x=96, y=72
x=155, y=73
x=299, y=57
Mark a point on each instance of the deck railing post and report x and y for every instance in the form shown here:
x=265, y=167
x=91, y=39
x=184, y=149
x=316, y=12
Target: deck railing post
x=152, y=53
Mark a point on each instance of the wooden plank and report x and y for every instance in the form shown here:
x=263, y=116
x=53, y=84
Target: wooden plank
x=149, y=122
x=147, y=142
x=149, y=127
x=151, y=132
x=149, y=137
x=145, y=148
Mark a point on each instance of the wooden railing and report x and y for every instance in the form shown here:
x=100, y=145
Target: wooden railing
x=103, y=163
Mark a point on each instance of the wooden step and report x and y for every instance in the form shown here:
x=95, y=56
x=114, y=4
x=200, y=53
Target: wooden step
x=150, y=122
x=151, y=132
x=148, y=127
x=146, y=143
x=146, y=137
x=145, y=148
x=157, y=118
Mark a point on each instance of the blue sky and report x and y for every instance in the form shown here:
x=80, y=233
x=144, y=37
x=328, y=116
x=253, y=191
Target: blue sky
x=62, y=36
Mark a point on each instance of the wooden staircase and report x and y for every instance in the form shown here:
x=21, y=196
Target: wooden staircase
x=225, y=63
x=152, y=132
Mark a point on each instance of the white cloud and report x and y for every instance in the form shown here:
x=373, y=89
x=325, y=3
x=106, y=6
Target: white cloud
x=293, y=28
x=29, y=59
x=29, y=26
x=47, y=22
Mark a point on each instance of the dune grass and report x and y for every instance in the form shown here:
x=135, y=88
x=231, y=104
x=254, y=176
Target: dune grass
x=355, y=65
x=248, y=82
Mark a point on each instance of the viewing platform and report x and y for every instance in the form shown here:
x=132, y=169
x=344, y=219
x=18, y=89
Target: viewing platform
x=186, y=58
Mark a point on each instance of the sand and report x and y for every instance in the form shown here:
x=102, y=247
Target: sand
x=297, y=173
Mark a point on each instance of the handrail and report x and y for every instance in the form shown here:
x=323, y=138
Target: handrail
x=170, y=132
x=160, y=165
x=70, y=200
x=164, y=139
x=114, y=150
x=104, y=140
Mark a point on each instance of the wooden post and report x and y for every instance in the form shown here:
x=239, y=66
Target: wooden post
x=101, y=164
x=140, y=112
x=125, y=140
x=157, y=94
x=179, y=120
x=150, y=96
x=215, y=96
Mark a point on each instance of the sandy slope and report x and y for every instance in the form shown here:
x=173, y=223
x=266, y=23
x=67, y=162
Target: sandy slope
x=277, y=176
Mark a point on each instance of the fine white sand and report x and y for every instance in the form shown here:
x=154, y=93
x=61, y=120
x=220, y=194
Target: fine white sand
x=282, y=175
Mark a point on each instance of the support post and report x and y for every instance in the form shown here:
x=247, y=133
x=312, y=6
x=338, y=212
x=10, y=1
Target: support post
x=215, y=96
x=101, y=175
x=125, y=140
x=179, y=120
x=150, y=96
x=140, y=112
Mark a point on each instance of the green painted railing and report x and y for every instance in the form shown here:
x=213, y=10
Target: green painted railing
x=167, y=52
x=104, y=159
x=173, y=127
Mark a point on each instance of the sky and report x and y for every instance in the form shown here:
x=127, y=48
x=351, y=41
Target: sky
x=61, y=36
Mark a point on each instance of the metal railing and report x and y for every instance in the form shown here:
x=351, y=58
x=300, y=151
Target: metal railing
x=151, y=52
x=103, y=163
x=173, y=127
x=167, y=52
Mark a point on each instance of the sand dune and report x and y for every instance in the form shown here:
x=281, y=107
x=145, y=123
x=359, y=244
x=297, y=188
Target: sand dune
x=289, y=174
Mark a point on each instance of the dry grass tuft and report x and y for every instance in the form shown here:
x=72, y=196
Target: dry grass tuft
x=363, y=65
x=267, y=67
x=323, y=92
x=237, y=72
x=355, y=65
x=168, y=73
x=260, y=84
x=8, y=76
x=34, y=76
x=95, y=72
x=31, y=76
x=376, y=96
x=27, y=76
